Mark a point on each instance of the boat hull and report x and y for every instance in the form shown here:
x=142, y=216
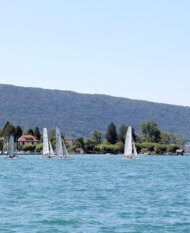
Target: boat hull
x=129, y=158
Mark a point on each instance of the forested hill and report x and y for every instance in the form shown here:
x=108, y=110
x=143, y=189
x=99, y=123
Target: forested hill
x=79, y=114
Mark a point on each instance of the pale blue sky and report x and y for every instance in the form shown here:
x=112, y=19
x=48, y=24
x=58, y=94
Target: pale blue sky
x=131, y=48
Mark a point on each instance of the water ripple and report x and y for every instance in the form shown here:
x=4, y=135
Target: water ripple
x=95, y=194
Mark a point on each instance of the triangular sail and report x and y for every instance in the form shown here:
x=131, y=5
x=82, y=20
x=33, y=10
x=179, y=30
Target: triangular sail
x=65, y=150
x=11, y=146
x=51, y=149
x=59, y=147
x=128, y=143
x=45, y=142
x=135, y=150
x=130, y=148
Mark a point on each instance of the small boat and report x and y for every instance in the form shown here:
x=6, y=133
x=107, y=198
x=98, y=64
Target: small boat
x=61, y=150
x=48, y=152
x=11, y=150
x=130, y=151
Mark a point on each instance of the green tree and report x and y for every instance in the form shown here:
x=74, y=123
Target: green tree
x=106, y=147
x=164, y=148
x=8, y=129
x=1, y=133
x=30, y=132
x=1, y=143
x=39, y=147
x=89, y=145
x=5, y=146
x=111, y=134
x=78, y=143
x=165, y=137
x=148, y=146
x=172, y=148
x=138, y=147
x=137, y=138
x=180, y=142
x=119, y=147
x=18, y=132
x=37, y=133
x=150, y=132
x=97, y=137
x=28, y=147
x=122, y=133
x=158, y=149
x=169, y=138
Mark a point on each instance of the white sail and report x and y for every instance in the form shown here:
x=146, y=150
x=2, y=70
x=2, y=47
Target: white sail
x=66, y=153
x=135, y=150
x=45, y=142
x=59, y=147
x=128, y=143
x=51, y=149
x=130, y=148
x=11, y=146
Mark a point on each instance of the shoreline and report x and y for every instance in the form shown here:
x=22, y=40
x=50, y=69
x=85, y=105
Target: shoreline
x=93, y=154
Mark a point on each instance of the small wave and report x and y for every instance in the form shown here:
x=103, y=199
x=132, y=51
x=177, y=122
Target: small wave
x=61, y=222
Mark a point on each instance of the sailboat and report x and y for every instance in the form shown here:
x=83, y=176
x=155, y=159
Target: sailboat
x=61, y=150
x=11, y=150
x=130, y=151
x=47, y=147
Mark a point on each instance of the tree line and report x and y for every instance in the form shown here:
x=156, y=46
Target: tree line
x=151, y=140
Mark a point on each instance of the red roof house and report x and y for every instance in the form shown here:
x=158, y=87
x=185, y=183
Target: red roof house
x=70, y=143
x=27, y=139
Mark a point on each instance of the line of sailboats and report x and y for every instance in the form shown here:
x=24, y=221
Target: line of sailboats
x=130, y=151
x=48, y=153
x=61, y=149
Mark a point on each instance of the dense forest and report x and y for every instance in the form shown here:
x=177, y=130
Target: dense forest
x=79, y=114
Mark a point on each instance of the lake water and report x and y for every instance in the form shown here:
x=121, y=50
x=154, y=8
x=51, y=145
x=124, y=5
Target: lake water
x=95, y=194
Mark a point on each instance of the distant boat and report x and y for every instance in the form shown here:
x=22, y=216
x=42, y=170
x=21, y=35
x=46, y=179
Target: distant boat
x=11, y=150
x=130, y=151
x=61, y=150
x=47, y=147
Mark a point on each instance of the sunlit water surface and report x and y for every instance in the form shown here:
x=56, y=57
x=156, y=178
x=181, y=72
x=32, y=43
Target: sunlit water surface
x=95, y=194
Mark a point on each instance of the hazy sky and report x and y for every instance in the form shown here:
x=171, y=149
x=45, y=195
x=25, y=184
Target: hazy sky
x=131, y=48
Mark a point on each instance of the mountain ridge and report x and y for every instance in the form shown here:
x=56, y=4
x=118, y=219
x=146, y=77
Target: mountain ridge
x=80, y=113
x=94, y=94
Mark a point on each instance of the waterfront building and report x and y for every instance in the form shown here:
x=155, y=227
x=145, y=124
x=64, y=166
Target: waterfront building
x=27, y=139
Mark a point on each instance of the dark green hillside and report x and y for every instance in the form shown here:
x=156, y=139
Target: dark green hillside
x=80, y=114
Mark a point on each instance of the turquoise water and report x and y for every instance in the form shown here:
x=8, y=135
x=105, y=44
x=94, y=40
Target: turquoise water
x=95, y=194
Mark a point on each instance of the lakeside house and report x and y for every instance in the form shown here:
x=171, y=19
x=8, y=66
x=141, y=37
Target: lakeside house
x=79, y=150
x=27, y=139
x=180, y=152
